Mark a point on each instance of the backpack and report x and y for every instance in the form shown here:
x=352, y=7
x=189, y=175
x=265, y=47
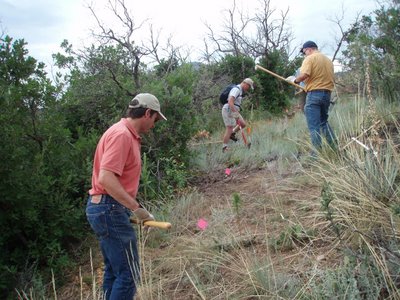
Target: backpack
x=223, y=98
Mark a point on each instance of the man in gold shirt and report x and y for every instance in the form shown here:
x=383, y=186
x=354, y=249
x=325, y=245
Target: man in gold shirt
x=317, y=73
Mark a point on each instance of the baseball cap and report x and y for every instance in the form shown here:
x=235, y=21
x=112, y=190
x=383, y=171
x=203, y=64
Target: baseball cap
x=250, y=82
x=147, y=100
x=308, y=44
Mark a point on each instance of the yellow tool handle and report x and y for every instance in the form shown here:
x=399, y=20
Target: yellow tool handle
x=258, y=67
x=157, y=224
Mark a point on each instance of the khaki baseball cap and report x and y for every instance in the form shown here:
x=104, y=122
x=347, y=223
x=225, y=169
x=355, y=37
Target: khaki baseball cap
x=147, y=100
x=250, y=82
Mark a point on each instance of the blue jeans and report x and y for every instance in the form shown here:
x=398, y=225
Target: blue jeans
x=316, y=112
x=110, y=221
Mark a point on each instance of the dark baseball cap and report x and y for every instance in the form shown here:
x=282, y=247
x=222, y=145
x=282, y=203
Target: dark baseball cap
x=308, y=44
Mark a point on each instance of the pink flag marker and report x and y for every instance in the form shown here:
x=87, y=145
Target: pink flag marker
x=202, y=224
x=227, y=171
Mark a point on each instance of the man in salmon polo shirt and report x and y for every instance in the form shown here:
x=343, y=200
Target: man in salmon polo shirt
x=112, y=198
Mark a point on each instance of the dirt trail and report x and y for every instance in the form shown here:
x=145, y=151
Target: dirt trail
x=273, y=221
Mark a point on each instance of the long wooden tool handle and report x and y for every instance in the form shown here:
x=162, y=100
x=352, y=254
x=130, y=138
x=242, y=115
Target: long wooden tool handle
x=157, y=224
x=258, y=67
x=241, y=131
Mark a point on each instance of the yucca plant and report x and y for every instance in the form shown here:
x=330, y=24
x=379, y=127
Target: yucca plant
x=359, y=198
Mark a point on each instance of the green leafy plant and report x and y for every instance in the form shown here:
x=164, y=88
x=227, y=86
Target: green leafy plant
x=326, y=199
x=236, y=202
x=146, y=183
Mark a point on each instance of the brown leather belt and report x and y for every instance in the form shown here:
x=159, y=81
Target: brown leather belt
x=325, y=91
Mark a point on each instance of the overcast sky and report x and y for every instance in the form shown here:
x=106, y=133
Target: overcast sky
x=44, y=24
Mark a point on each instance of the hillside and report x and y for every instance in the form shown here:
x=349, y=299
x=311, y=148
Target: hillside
x=279, y=226
x=271, y=224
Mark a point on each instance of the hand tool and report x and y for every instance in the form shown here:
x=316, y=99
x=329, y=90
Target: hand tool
x=258, y=67
x=243, y=134
x=157, y=224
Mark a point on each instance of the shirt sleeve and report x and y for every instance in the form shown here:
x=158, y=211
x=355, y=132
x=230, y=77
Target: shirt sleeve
x=235, y=92
x=115, y=155
x=306, y=66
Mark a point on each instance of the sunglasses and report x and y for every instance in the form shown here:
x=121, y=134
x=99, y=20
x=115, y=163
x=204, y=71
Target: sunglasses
x=304, y=51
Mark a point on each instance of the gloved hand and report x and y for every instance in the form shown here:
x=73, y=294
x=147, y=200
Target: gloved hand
x=236, y=115
x=141, y=215
x=291, y=78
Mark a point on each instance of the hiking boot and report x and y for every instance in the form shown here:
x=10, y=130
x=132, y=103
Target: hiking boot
x=224, y=149
x=233, y=137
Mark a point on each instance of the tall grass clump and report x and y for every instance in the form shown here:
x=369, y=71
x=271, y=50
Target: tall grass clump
x=360, y=199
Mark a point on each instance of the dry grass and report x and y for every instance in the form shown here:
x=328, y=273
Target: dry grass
x=251, y=253
x=280, y=227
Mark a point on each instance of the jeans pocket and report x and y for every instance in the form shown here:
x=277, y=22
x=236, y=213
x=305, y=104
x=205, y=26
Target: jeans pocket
x=98, y=222
x=121, y=226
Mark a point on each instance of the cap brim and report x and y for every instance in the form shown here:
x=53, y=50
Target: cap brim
x=161, y=116
x=250, y=85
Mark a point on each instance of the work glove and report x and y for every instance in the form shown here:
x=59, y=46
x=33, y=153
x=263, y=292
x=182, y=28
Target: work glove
x=140, y=215
x=291, y=78
x=236, y=115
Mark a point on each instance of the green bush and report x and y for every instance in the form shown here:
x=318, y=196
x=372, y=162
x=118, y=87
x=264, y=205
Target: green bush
x=42, y=173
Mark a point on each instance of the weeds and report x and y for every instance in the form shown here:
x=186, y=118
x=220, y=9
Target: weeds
x=236, y=202
x=331, y=232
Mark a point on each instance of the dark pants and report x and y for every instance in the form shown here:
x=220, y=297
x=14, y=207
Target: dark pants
x=316, y=112
x=110, y=221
